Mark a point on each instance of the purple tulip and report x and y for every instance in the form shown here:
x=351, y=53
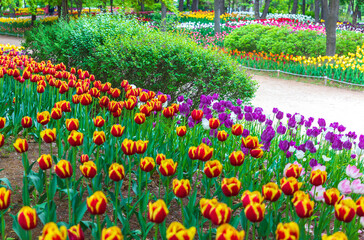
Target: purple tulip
x=207, y=141
x=215, y=96
x=241, y=116
x=283, y=145
x=361, y=145
x=279, y=115
x=180, y=98
x=245, y=133
x=269, y=122
x=309, y=145
x=275, y=110
x=239, y=102
x=347, y=145
x=321, y=122
x=292, y=123
x=313, y=163
x=334, y=125
x=308, y=124
x=337, y=144
x=281, y=129
x=191, y=124
x=288, y=115
x=249, y=116
x=262, y=118
x=268, y=134
x=341, y=128
x=248, y=109
x=288, y=154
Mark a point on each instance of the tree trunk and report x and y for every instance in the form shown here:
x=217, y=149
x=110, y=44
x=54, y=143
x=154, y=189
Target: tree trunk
x=194, y=5
x=217, y=6
x=180, y=5
x=79, y=7
x=266, y=8
x=332, y=16
x=71, y=7
x=256, y=9
x=355, y=15
x=65, y=10
x=294, y=7
x=289, y=5
x=34, y=17
x=59, y=9
x=349, y=8
x=317, y=11
x=111, y=2
x=323, y=10
x=188, y=5
x=12, y=12
x=222, y=6
x=142, y=6
x=303, y=7
x=163, y=18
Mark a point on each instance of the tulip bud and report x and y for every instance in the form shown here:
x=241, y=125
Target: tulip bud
x=85, y=99
x=141, y=146
x=130, y=104
x=75, y=99
x=5, y=196
x=65, y=106
x=192, y=153
x=157, y=211
x=228, y=232
x=45, y=162
x=72, y=124
x=117, y=130
x=162, y=98
x=48, y=135
x=88, y=169
x=56, y=113
x=27, y=218
x=222, y=136
x=176, y=231
x=181, y=188
x=63, y=169
x=75, y=138
x=128, y=147
x=360, y=207
x=271, y=192
x=99, y=137
x=214, y=123
x=256, y=152
x=40, y=89
x=84, y=158
x=26, y=122
x=300, y=195
x=144, y=97
x=220, y=214
x=124, y=83
x=181, y=131
x=237, y=129
x=230, y=186
x=293, y=170
x=2, y=140
x=287, y=231
x=204, y=152
x=237, y=158
x=206, y=205
x=104, y=102
x=43, y=117
x=111, y=233
x=318, y=177
x=304, y=208
x=51, y=231
x=139, y=118
x=332, y=196
x=116, y=172
x=168, y=112
x=212, y=169
x=197, y=115
x=168, y=167
x=2, y=122
x=160, y=157
x=96, y=203
x=21, y=145
x=99, y=121
x=254, y=212
x=335, y=236
x=250, y=142
x=290, y=185
x=147, y=164
x=251, y=197
x=345, y=210
x=75, y=233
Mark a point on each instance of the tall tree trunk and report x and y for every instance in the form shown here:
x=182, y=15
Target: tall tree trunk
x=180, y=5
x=266, y=8
x=111, y=2
x=317, y=11
x=232, y=5
x=71, y=7
x=65, y=10
x=222, y=6
x=34, y=17
x=332, y=10
x=163, y=18
x=188, y=5
x=349, y=8
x=303, y=7
x=79, y=7
x=289, y=5
x=217, y=6
x=256, y=9
x=355, y=15
x=142, y=6
x=294, y=7
x=323, y=10
x=59, y=11
x=194, y=5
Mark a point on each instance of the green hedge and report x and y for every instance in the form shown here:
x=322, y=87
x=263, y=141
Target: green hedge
x=114, y=48
x=282, y=39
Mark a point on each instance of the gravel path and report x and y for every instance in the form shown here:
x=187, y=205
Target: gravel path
x=4, y=39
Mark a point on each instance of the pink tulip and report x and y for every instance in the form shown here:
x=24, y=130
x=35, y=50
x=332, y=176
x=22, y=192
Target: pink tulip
x=357, y=187
x=318, y=193
x=353, y=171
x=344, y=187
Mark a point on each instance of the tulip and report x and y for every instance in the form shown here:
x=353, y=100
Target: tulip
x=214, y=123
x=117, y=130
x=168, y=112
x=254, y=212
x=139, y=118
x=2, y=122
x=75, y=138
x=72, y=124
x=344, y=186
x=287, y=231
x=222, y=136
x=96, y=203
x=271, y=192
x=318, y=177
x=332, y=196
x=160, y=157
x=5, y=196
x=63, y=169
x=147, y=164
x=85, y=99
x=204, y=152
x=45, y=162
x=168, y=167
x=146, y=109
x=111, y=233
x=360, y=206
x=43, y=117
x=27, y=218
x=212, y=169
x=130, y=104
x=176, y=231
x=220, y=214
x=141, y=146
x=128, y=147
x=40, y=89
x=304, y=208
x=250, y=142
x=256, y=152
x=300, y=195
x=158, y=108
x=293, y=170
x=181, y=131
x=104, y=102
x=51, y=231
x=251, y=197
x=157, y=211
x=124, y=83
x=197, y=115
x=2, y=140
x=99, y=137
x=65, y=106
x=228, y=232
x=56, y=113
x=290, y=185
x=84, y=158
x=192, y=153
x=230, y=186
x=88, y=169
x=113, y=106
x=237, y=158
x=21, y=145
x=75, y=233
x=48, y=135
x=26, y=122
x=99, y=121
x=237, y=129
x=181, y=188
x=116, y=172
x=75, y=99
x=144, y=97
x=353, y=171
x=206, y=206
x=335, y=236
x=345, y=210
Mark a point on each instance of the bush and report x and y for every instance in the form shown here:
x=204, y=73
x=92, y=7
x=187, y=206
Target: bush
x=114, y=48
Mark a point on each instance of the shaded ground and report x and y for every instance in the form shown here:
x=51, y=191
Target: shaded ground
x=4, y=39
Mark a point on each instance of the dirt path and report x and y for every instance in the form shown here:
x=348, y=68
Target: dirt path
x=334, y=104
x=11, y=40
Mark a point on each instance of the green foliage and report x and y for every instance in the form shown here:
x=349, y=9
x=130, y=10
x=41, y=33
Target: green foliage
x=114, y=48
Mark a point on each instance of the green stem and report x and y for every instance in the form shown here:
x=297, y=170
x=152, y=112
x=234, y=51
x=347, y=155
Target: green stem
x=129, y=163
x=116, y=202
x=156, y=231
x=210, y=230
x=26, y=191
x=47, y=192
x=253, y=231
x=69, y=202
x=74, y=163
x=30, y=235
x=247, y=230
x=97, y=159
x=98, y=226
x=167, y=190
x=3, y=225
x=59, y=139
x=182, y=211
x=40, y=140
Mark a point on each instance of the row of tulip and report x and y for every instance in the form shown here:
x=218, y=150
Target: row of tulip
x=136, y=142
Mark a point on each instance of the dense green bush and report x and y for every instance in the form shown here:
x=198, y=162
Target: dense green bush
x=282, y=39
x=114, y=48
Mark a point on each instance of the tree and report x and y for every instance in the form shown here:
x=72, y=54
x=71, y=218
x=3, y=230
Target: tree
x=303, y=7
x=317, y=10
x=217, y=6
x=265, y=10
x=194, y=5
x=294, y=7
x=180, y=5
x=222, y=6
x=332, y=11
